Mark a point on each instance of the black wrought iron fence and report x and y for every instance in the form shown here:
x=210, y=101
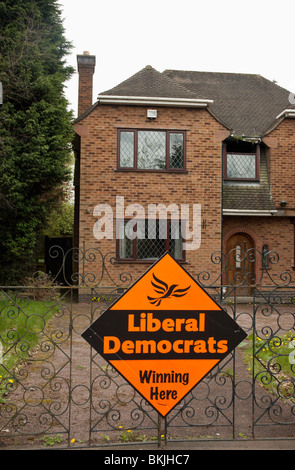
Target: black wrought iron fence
x=56, y=391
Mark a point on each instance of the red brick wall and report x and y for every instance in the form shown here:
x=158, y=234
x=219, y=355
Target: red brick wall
x=100, y=182
x=282, y=162
x=276, y=231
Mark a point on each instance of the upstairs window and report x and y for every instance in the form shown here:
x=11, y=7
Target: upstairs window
x=151, y=150
x=241, y=161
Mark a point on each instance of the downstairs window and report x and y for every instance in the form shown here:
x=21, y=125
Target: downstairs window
x=145, y=240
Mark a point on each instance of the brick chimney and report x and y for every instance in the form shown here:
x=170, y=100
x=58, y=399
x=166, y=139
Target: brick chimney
x=86, y=66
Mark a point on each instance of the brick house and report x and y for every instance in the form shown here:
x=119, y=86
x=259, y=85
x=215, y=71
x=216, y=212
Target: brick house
x=216, y=149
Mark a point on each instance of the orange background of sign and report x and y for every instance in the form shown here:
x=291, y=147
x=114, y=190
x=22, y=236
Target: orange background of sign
x=171, y=279
x=196, y=368
x=171, y=273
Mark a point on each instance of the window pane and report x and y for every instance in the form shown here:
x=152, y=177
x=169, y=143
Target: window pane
x=175, y=239
x=241, y=166
x=150, y=249
x=154, y=247
x=238, y=256
x=125, y=242
x=176, y=151
x=127, y=149
x=151, y=153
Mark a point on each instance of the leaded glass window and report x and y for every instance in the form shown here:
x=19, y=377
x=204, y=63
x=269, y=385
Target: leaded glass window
x=127, y=149
x=241, y=160
x=241, y=166
x=137, y=241
x=151, y=150
x=176, y=150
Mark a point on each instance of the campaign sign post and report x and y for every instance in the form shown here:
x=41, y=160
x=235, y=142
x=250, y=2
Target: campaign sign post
x=164, y=334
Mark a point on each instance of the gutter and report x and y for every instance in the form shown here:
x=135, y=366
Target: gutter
x=290, y=113
x=253, y=212
x=155, y=101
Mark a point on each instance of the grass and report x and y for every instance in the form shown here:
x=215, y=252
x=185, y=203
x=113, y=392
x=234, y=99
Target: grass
x=22, y=321
x=274, y=365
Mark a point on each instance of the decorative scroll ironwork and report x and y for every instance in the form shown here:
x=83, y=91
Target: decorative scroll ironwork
x=264, y=260
x=89, y=267
x=273, y=365
x=55, y=390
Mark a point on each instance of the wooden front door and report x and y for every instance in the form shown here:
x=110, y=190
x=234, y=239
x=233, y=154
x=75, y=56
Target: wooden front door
x=240, y=261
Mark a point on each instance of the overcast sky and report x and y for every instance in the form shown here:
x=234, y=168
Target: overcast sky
x=253, y=36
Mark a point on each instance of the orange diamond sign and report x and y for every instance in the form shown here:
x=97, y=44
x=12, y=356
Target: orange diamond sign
x=164, y=334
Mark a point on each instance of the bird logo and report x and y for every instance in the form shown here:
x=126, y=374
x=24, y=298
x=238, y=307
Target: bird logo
x=165, y=291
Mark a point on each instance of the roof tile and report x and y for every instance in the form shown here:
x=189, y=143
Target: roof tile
x=247, y=104
x=149, y=82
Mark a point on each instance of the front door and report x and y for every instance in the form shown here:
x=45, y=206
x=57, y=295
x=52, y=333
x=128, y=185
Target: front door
x=240, y=262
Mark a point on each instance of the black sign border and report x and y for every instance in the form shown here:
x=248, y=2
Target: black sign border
x=89, y=335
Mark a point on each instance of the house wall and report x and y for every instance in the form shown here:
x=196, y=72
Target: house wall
x=281, y=163
x=100, y=182
x=276, y=232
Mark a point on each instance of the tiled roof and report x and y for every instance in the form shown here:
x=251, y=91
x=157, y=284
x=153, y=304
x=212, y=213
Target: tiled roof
x=247, y=104
x=149, y=82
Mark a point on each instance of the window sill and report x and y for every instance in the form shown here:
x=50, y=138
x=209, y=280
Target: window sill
x=145, y=261
x=134, y=170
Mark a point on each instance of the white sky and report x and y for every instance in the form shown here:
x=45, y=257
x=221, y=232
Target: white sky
x=253, y=36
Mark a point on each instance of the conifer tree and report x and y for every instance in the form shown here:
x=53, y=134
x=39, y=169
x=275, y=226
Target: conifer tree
x=35, y=126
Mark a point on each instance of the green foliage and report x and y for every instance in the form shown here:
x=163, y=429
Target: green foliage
x=21, y=324
x=35, y=124
x=61, y=221
x=273, y=363
x=51, y=440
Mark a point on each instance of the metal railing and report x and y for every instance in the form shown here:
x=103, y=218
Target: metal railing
x=56, y=391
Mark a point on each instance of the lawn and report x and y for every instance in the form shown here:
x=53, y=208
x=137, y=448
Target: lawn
x=22, y=321
x=273, y=361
